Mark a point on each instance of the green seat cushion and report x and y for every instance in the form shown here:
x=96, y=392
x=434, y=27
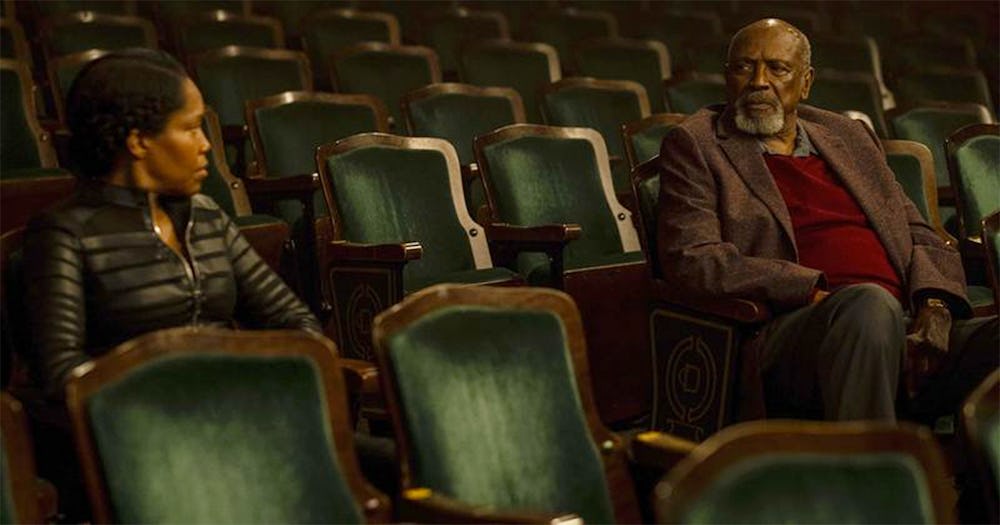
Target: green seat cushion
x=907, y=171
x=625, y=63
x=460, y=118
x=212, y=34
x=843, y=94
x=689, y=96
x=367, y=72
x=551, y=180
x=392, y=195
x=602, y=109
x=646, y=143
x=524, y=71
x=73, y=38
x=979, y=295
x=931, y=127
x=497, y=420
x=203, y=438
x=813, y=488
x=329, y=33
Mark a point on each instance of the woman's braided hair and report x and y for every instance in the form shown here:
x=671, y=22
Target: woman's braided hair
x=124, y=90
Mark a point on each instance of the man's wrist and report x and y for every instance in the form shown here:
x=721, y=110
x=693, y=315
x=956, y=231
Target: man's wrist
x=934, y=302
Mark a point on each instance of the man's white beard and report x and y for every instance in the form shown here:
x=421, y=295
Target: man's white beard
x=763, y=126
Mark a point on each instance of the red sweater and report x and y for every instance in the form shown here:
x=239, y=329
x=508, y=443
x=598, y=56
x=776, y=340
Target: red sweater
x=831, y=232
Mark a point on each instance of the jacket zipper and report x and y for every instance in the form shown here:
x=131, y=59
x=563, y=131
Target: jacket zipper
x=189, y=270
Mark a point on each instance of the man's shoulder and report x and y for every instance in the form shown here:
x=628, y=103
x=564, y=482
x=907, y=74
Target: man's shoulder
x=834, y=121
x=702, y=122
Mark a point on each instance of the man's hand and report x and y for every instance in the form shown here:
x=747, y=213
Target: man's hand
x=926, y=345
x=818, y=295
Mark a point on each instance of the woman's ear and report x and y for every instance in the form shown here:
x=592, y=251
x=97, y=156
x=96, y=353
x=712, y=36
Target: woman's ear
x=136, y=144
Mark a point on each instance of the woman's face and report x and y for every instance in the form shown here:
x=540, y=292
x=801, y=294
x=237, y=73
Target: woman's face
x=176, y=157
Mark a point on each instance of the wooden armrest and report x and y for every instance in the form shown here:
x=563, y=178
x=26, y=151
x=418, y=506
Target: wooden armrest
x=360, y=376
x=659, y=450
x=544, y=234
x=391, y=253
x=422, y=505
x=299, y=187
x=739, y=310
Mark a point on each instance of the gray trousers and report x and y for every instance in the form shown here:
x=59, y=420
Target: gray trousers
x=842, y=358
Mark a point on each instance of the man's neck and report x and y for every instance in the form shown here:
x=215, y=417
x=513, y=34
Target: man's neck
x=783, y=142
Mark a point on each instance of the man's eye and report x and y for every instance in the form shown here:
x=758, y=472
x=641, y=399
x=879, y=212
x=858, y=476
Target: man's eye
x=741, y=67
x=780, y=69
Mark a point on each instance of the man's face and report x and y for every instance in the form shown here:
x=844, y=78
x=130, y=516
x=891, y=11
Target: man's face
x=766, y=77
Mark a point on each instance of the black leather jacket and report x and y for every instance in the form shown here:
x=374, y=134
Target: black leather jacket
x=98, y=275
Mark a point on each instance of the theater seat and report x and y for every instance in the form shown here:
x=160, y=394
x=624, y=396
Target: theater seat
x=26, y=498
x=642, y=138
x=810, y=472
x=981, y=422
x=196, y=425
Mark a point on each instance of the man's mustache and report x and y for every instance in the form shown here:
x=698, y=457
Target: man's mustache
x=759, y=97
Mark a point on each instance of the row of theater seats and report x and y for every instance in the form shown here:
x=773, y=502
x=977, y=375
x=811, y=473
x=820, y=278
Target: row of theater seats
x=207, y=426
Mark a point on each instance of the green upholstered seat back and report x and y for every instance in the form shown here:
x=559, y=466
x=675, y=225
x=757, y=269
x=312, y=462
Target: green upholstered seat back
x=549, y=180
x=706, y=56
x=215, y=186
x=393, y=195
x=693, y=94
x=859, y=92
x=849, y=54
x=978, y=177
x=447, y=33
x=459, y=118
x=522, y=70
x=72, y=38
x=917, y=54
x=65, y=75
x=648, y=193
x=952, y=86
x=229, y=82
x=18, y=149
x=493, y=414
x=211, y=34
x=931, y=126
x=203, y=438
x=327, y=34
x=625, y=63
x=588, y=107
x=817, y=488
x=909, y=176
x=291, y=132
x=646, y=143
x=369, y=71
x=561, y=31
x=990, y=430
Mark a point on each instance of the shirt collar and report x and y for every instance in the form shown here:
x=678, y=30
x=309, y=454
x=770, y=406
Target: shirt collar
x=803, y=146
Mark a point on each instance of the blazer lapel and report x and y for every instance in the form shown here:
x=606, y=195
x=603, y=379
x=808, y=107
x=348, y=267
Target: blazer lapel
x=861, y=182
x=745, y=155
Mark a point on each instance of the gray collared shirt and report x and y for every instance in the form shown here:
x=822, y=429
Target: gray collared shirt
x=803, y=146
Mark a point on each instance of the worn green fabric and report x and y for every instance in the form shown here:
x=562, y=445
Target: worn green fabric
x=908, y=175
x=817, y=488
x=587, y=107
x=546, y=180
x=978, y=162
x=537, y=270
x=705, y=57
x=460, y=118
x=212, y=34
x=648, y=198
x=497, y=420
x=918, y=54
x=979, y=295
x=646, y=143
x=228, y=83
x=202, y=438
x=930, y=127
x=72, y=38
x=474, y=276
x=367, y=73
x=562, y=31
x=693, y=94
x=447, y=34
x=842, y=94
x=843, y=54
x=953, y=86
x=8, y=514
x=331, y=33
x=523, y=71
x=392, y=195
x=18, y=149
x=617, y=63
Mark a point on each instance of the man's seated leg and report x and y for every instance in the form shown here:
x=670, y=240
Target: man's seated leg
x=838, y=359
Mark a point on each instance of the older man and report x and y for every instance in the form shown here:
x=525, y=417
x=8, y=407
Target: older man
x=786, y=204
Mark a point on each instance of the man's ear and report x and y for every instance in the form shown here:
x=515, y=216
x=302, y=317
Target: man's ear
x=135, y=142
x=808, y=82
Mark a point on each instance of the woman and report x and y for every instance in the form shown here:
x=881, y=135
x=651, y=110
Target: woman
x=138, y=249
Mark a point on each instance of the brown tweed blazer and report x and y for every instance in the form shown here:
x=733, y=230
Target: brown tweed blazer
x=724, y=229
